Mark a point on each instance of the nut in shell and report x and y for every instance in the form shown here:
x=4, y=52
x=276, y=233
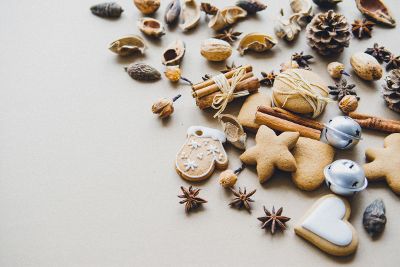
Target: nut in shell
x=163, y=108
x=151, y=27
x=376, y=10
x=147, y=7
x=215, y=49
x=258, y=42
x=335, y=69
x=349, y=103
x=128, y=45
x=174, y=53
x=143, y=72
x=190, y=15
x=366, y=66
x=227, y=178
x=233, y=130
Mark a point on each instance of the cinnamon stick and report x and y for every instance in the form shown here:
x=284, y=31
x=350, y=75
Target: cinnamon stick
x=380, y=125
x=356, y=115
x=228, y=75
x=214, y=88
x=286, y=115
x=251, y=84
x=282, y=125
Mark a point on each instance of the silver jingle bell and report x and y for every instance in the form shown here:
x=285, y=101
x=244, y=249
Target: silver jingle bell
x=345, y=177
x=341, y=132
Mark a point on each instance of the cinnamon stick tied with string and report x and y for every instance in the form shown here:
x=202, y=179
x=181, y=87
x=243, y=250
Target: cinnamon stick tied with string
x=376, y=123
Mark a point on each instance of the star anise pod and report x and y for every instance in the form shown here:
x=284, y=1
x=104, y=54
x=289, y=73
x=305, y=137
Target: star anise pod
x=229, y=68
x=208, y=8
x=268, y=78
x=362, y=27
x=341, y=89
x=302, y=60
x=228, y=35
x=242, y=199
x=273, y=220
x=379, y=52
x=190, y=198
x=393, y=63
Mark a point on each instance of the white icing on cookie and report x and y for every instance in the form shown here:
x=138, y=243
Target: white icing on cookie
x=201, y=131
x=190, y=165
x=200, y=156
x=326, y=222
x=193, y=144
x=213, y=150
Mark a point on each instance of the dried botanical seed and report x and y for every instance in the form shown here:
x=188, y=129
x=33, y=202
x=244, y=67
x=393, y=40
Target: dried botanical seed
x=349, y=103
x=251, y=6
x=173, y=73
x=147, y=7
x=143, y=72
x=366, y=66
x=128, y=45
x=107, y=10
x=374, y=218
x=361, y=28
x=164, y=107
x=172, y=12
x=190, y=15
x=379, y=52
x=215, y=49
x=208, y=8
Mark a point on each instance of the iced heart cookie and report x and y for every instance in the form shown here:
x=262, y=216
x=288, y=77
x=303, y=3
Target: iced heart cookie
x=326, y=226
x=202, y=152
x=385, y=162
x=270, y=152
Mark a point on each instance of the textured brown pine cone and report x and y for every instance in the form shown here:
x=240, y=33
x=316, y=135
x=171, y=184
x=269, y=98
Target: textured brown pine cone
x=391, y=90
x=328, y=33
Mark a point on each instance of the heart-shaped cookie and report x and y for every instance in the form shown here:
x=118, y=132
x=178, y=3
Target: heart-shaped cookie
x=326, y=226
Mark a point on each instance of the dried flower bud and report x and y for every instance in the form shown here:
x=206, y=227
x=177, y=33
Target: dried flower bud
x=173, y=73
x=227, y=178
x=289, y=65
x=348, y=104
x=163, y=107
x=335, y=69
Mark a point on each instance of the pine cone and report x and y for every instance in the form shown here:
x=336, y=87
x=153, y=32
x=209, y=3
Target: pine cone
x=328, y=33
x=391, y=90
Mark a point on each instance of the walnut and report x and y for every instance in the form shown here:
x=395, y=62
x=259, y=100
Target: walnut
x=227, y=178
x=348, y=104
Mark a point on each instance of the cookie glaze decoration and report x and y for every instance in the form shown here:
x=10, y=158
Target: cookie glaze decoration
x=201, y=154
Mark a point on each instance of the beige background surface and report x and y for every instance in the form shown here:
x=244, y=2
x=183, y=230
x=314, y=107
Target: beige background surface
x=86, y=170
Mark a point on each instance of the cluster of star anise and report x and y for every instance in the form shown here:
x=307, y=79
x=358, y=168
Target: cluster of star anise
x=384, y=55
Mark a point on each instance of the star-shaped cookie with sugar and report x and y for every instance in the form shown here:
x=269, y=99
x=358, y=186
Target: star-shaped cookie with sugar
x=270, y=152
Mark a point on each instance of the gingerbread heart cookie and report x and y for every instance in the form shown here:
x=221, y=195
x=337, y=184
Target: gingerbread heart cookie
x=326, y=226
x=201, y=154
x=385, y=162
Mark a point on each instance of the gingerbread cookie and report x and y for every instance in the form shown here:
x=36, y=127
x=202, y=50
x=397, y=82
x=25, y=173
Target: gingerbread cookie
x=385, y=162
x=202, y=152
x=326, y=226
x=271, y=151
x=248, y=111
x=311, y=157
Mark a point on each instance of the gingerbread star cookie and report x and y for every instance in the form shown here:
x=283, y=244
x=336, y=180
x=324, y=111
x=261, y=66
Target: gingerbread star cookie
x=385, y=162
x=270, y=152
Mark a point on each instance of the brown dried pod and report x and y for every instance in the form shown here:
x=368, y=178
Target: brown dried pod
x=147, y=7
x=376, y=10
x=107, y=10
x=151, y=27
x=190, y=15
x=164, y=107
x=349, y=103
x=174, y=53
x=208, y=8
x=374, y=218
x=143, y=72
x=251, y=6
x=233, y=130
x=128, y=45
x=172, y=12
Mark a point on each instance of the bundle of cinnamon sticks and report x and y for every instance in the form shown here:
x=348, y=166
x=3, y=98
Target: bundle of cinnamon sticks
x=204, y=92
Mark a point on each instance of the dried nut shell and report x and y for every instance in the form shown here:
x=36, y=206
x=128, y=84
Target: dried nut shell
x=366, y=66
x=258, y=42
x=301, y=6
x=147, y=7
x=151, y=27
x=287, y=29
x=172, y=12
x=335, y=69
x=227, y=178
x=143, y=72
x=190, y=15
x=174, y=53
x=107, y=10
x=233, y=130
x=215, y=49
x=163, y=108
x=226, y=17
x=128, y=45
x=376, y=10
x=349, y=103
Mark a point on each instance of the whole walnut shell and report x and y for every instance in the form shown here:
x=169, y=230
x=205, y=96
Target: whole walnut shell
x=348, y=104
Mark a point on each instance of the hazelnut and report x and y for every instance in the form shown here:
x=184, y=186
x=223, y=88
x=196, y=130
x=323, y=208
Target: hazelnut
x=227, y=178
x=348, y=104
x=335, y=69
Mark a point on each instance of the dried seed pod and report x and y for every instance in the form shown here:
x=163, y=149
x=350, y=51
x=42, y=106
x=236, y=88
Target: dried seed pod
x=215, y=49
x=227, y=178
x=374, y=218
x=174, y=53
x=251, y=6
x=258, y=42
x=208, y=8
x=366, y=66
x=128, y=45
x=143, y=72
x=151, y=27
x=233, y=130
x=163, y=108
x=376, y=10
x=147, y=7
x=172, y=12
x=226, y=17
x=287, y=29
x=107, y=10
x=190, y=15
x=335, y=69
x=349, y=103
x=173, y=73
x=303, y=9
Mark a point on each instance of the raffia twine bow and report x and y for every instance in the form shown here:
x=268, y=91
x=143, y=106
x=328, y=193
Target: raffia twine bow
x=221, y=100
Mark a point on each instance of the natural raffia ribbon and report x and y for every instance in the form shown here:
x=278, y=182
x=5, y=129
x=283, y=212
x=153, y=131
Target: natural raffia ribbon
x=221, y=100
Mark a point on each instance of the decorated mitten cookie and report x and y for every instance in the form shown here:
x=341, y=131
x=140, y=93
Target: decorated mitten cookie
x=385, y=162
x=326, y=226
x=202, y=152
x=270, y=152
